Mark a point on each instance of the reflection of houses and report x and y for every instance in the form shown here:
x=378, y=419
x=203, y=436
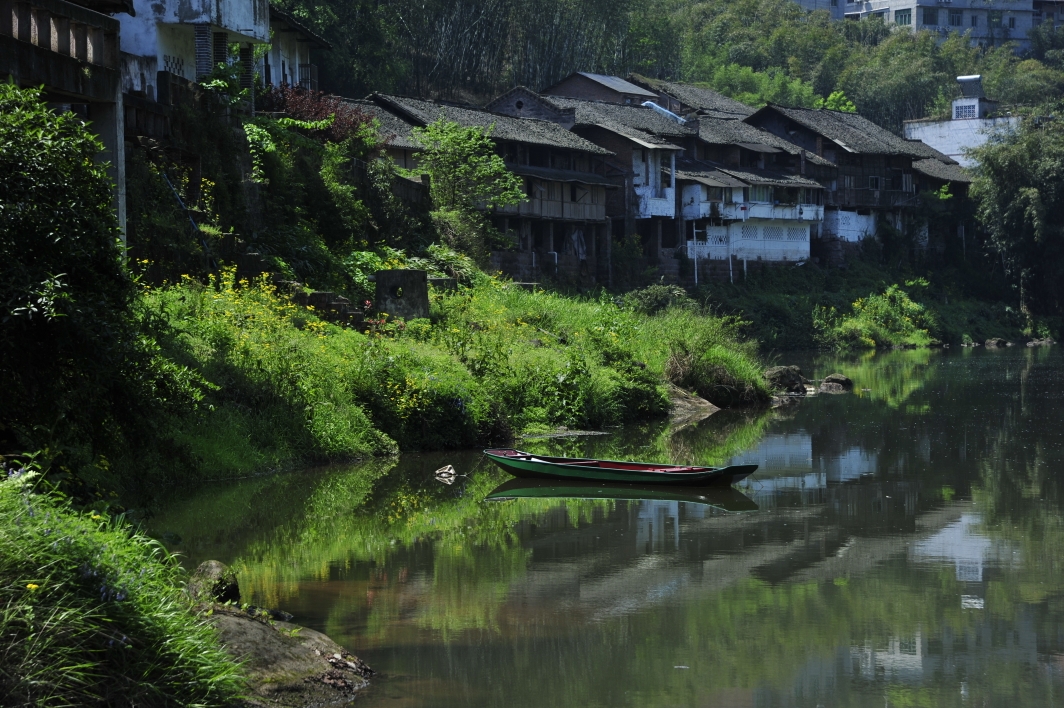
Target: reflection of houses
x=72, y=52
x=561, y=227
x=971, y=124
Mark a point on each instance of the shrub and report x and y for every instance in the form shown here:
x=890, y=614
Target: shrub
x=93, y=614
x=655, y=298
x=888, y=319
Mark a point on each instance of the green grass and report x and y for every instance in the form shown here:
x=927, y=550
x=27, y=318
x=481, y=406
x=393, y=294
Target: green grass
x=278, y=386
x=93, y=614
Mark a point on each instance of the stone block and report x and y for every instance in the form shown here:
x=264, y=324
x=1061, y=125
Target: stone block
x=403, y=293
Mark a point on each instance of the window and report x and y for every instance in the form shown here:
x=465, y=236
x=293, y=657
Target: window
x=874, y=182
x=834, y=3
x=1012, y=23
x=993, y=18
x=931, y=16
x=975, y=20
x=968, y=111
x=903, y=17
x=907, y=182
x=849, y=182
x=956, y=18
x=761, y=193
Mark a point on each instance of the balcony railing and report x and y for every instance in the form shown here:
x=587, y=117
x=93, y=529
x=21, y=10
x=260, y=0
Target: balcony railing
x=63, y=28
x=786, y=212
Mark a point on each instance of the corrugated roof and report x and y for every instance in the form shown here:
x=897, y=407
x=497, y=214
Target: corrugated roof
x=645, y=120
x=523, y=130
x=940, y=170
x=616, y=83
x=856, y=134
x=697, y=97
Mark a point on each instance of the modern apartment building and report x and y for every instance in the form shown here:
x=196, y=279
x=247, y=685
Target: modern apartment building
x=989, y=22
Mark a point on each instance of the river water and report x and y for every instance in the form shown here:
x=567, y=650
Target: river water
x=899, y=546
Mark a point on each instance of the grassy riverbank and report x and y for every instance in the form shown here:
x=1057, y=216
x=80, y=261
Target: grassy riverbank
x=277, y=385
x=869, y=305
x=93, y=614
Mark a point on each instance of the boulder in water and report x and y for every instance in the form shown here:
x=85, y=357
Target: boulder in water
x=212, y=581
x=996, y=342
x=788, y=379
x=836, y=383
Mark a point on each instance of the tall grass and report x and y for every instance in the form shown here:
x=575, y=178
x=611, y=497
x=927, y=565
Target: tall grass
x=281, y=385
x=889, y=319
x=92, y=614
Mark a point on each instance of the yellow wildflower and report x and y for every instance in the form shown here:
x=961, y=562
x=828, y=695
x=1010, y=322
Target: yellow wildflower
x=32, y=586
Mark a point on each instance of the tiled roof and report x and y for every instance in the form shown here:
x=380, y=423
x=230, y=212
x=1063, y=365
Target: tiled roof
x=716, y=131
x=278, y=14
x=940, y=170
x=393, y=130
x=523, y=130
x=752, y=176
x=559, y=175
x=856, y=134
x=639, y=118
x=698, y=98
x=702, y=170
x=616, y=83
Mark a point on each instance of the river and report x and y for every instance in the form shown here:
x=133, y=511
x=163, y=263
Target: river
x=899, y=546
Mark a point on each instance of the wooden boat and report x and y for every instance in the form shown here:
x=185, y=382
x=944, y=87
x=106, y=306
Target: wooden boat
x=524, y=464
x=721, y=497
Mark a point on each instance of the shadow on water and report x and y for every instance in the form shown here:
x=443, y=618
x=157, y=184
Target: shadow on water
x=903, y=553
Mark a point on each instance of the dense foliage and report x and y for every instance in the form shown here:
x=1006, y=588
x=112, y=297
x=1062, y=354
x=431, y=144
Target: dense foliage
x=93, y=614
x=1020, y=191
x=753, y=50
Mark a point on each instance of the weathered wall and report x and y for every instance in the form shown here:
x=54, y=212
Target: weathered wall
x=849, y=226
x=953, y=137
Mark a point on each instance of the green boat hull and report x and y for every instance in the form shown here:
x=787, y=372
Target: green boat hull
x=521, y=464
x=724, y=498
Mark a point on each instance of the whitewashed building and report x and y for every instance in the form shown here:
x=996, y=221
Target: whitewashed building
x=971, y=123
x=186, y=39
x=288, y=61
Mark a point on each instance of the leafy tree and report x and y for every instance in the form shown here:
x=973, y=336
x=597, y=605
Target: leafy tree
x=837, y=101
x=1019, y=190
x=466, y=176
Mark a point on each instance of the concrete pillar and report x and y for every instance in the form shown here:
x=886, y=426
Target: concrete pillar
x=657, y=240
x=108, y=122
x=609, y=253
x=403, y=293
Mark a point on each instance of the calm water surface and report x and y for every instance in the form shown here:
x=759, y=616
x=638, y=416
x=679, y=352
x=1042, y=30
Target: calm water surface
x=907, y=550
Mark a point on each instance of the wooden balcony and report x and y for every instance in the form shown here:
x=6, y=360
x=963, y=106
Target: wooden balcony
x=62, y=28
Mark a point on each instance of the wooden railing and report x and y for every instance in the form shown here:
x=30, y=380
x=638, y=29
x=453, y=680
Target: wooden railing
x=553, y=209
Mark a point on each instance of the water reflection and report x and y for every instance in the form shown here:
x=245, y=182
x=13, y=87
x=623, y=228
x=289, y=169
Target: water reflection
x=904, y=552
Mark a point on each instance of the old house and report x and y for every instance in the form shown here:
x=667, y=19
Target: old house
x=561, y=228
x=876, y=174
x=685, y=99
x=288, y=61
x=72, y=51
x=186, y=39
x=686, y=181
x=599, y=87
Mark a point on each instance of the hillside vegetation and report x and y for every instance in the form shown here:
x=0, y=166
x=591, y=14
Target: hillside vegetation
x=753, y=50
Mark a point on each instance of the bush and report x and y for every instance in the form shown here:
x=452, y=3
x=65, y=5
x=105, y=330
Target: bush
x=889, y=319
x=93, y=614
x=655, y=298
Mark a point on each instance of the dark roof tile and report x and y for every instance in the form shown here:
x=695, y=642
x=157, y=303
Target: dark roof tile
x=523, y=130
x=698, y=98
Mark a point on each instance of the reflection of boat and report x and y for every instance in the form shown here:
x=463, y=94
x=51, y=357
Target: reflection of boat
x=524, y=464
x=722, y=497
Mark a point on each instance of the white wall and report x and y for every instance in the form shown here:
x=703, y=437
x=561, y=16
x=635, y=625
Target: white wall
x=849, y=225
x=244, y=20
x=754, y=240
x=286, y=48
x=952, y=137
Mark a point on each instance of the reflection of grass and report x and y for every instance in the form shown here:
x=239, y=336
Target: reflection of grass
x=891, y=377
x=290, y=532
x=712, y=441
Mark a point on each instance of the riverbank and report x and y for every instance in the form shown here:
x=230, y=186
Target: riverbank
x=275, y=385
